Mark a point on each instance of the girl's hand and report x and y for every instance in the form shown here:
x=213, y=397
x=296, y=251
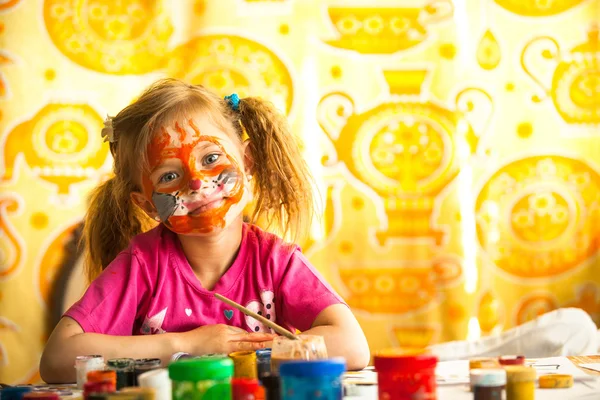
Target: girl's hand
x=223, y=339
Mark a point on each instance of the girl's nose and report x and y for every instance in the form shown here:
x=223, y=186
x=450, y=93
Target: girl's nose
x=195, y=184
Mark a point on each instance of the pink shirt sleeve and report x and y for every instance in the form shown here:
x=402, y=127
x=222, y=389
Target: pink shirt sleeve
x=112, y=302
x=303, y=293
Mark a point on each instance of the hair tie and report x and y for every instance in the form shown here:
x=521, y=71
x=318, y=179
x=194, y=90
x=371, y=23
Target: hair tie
x=233, y=101
x=108, y=132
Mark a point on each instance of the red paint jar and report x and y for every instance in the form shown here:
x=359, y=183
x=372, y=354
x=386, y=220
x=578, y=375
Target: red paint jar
x=406, y=376
x=511, y=360
x=246, y=389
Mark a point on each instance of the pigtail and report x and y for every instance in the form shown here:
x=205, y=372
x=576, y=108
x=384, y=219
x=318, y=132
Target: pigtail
x=111, y=222
x=282, y=182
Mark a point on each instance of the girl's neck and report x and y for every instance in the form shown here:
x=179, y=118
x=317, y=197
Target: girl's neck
x=211, y=256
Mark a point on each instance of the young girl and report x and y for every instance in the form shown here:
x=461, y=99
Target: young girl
x=193, y=162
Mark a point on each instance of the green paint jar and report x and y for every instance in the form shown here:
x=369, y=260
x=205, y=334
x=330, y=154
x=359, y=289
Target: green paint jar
x=202, y=378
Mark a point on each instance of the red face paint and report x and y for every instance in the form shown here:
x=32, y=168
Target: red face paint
x=192, y=194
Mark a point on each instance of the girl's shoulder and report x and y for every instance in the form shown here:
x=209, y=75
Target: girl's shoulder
x=266, y=242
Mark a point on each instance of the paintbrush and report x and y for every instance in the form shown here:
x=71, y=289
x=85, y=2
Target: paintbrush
x=279, y=329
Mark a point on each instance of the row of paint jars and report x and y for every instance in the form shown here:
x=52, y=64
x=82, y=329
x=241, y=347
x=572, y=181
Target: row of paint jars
x=212, y=378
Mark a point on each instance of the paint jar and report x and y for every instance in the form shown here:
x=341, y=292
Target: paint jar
x=202, y=378
x=316, y=379
x=157, y=379
x=15, y=392
x=124, y=367
x=402, y=376
x=263, y=362
x=520, y=382
x=141, y=393
x=556, y=381
x=246, y=389
x=244, y=364
x=40, y=396
x=272, y=386
x=309, y=347
x=97, y=387
x=99, y=376
x=85, y=364
x=511, y=360
x=360, y=390
x=488, y=384
x=144, y=365
x=483, y=362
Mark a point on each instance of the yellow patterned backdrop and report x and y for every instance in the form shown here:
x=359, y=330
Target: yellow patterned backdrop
x=456, y=145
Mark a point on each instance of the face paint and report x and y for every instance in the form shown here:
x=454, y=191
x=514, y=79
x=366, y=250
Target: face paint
x=193, y=194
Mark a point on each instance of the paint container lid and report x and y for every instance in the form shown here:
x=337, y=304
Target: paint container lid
x=200, y=369
x=242, y=354
x=121, y=363
x=15, y=392
x=519, y=373
x=556, y=381
x=100, y=375
x=85, y=360
x=313, y=368
x=41, y=396
x=263, y=353
x=148, y=363
x=511, y=360
x=400, y=361
x=488, y=377
x=483, y=362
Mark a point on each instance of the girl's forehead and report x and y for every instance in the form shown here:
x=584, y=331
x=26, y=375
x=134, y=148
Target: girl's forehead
x=190, y=132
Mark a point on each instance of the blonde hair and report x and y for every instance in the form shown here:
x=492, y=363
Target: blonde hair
x=282, y=183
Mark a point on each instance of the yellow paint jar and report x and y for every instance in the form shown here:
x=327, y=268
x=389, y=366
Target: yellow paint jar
x=520, y=382
x=557, y=381
x=244, y=364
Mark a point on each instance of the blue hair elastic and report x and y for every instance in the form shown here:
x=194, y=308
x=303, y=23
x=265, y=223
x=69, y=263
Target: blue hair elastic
x=233, y=100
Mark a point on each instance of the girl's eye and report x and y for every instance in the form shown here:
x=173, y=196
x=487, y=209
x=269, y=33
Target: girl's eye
x=211, y=159
x=168, y=177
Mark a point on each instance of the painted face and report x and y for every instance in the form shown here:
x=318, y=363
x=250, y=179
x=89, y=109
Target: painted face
x=196, y=181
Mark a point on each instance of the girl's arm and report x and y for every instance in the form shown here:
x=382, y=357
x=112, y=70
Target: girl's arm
x=68, y=340
x=343, y=335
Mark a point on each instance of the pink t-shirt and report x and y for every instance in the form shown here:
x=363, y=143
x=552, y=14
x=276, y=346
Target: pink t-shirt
x=151, y=288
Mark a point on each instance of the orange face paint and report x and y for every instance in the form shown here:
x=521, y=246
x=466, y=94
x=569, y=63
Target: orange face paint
x=193, y=194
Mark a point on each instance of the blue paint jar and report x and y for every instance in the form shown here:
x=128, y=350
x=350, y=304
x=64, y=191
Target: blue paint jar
x=14, y=392
x=263, y=362
x=316, y=379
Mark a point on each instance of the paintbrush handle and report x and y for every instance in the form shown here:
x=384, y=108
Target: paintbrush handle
x=279, y=329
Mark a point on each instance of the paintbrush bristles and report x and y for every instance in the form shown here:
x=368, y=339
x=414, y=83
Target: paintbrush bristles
x=277, y=328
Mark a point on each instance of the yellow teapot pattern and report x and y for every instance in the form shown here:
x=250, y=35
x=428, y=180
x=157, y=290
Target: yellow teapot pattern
x=229, y=63
x=61, y=144
x=379, y=30
x=538, y=8
x=124, y=37
x=538, y=217
x=575, y=86
x=405, y=150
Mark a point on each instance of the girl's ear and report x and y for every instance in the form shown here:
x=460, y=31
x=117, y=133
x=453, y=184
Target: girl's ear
x=248, y=159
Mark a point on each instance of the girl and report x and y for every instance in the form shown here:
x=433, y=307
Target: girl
x=193, y=162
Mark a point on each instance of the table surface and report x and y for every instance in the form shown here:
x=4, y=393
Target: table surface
x=584, y=360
